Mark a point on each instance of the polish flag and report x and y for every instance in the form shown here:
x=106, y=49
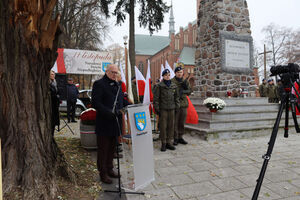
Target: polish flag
x=192, y=115
x=172, y=74
x=140, y=82
x=148, y=96
x=161, y=70
x=123, y=79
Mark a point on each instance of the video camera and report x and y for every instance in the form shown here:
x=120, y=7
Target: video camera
x=288, y=73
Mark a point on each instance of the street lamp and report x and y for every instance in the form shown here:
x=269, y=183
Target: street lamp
x=125, y=37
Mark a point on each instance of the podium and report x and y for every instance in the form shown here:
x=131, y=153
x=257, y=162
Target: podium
x=142, y=145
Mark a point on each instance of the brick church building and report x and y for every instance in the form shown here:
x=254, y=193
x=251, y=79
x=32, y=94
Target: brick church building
x=177, y=47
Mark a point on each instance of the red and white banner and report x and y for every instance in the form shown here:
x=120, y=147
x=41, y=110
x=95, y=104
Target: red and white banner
x=73, y=61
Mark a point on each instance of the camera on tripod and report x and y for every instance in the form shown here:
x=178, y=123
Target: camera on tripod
x=288, y=73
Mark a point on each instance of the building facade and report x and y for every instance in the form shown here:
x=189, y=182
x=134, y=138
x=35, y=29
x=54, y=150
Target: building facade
x=177, y=47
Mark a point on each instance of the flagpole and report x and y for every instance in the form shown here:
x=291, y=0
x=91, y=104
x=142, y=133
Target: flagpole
x=126, y=61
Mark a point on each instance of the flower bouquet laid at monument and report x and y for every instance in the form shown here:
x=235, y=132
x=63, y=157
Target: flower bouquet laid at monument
x=214, y=104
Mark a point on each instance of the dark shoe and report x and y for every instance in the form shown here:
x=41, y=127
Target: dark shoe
x=74, y=121
x=182, y=141
x=69, y=121
x=116, y=155
x=163, y=147
x=175, y=142
x=112, y=174
x=105, y=179
x=169, y=146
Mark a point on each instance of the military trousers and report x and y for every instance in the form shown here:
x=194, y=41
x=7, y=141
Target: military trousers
x=180, y=117
x=166, y=124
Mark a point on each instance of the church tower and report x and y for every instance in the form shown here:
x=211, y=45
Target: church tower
x=171, y=22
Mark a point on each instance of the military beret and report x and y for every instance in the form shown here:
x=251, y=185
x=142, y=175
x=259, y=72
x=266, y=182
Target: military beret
x=166, y=71
x=178, y=69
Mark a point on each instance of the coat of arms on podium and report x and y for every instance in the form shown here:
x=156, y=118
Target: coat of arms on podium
x=140, y=120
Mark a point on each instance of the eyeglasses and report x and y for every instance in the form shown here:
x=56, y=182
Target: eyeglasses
x=113, y=72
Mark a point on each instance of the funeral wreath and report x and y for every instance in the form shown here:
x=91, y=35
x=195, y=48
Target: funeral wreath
x=214, y=103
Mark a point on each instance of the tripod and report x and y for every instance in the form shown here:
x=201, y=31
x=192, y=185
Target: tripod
x=119, y=191
x=287, y=99
x=66, y=125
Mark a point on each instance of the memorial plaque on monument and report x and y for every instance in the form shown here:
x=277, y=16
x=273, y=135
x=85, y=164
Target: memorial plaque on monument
x=236, y=52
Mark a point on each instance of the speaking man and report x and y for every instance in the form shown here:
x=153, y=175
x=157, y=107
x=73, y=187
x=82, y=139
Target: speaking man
x=108, y=121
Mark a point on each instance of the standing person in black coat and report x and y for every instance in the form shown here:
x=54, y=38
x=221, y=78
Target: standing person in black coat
x=107, y=127
x=72, y=95
x=54, y=102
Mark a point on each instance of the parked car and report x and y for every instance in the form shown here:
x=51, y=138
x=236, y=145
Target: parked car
x=83, y=102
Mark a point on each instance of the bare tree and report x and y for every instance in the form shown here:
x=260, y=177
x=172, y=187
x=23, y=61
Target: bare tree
x=83, y=22
x=292, y=47
x=117, y=52
x=275, y=40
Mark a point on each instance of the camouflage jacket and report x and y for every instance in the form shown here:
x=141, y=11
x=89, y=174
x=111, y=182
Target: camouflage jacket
x=184, y=90
x=165, y=98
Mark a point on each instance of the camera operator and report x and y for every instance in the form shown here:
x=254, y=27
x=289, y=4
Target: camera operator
x=107, y=127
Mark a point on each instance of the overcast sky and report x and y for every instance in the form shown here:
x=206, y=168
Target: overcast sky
x=262, y=13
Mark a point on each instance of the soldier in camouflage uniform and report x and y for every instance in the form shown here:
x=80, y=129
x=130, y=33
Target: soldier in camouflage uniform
x=180, y=114
x=271, y=91
x=165, y=101
x=263, y=88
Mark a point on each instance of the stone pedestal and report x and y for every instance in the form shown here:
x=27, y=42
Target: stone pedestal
x=224, y=55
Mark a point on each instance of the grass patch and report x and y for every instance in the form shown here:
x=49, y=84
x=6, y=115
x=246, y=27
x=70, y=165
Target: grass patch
x=86, y=170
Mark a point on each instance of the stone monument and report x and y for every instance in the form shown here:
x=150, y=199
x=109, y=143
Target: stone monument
x=224, y=55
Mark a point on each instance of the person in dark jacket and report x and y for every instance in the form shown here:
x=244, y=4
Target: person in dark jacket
x=181, y=113
x=72, y=95
x=108, y=121
x=54, y=102
x=165, y=101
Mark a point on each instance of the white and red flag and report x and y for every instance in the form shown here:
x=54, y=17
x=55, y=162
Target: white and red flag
x=148, y=96
x=140, y=82
x=172, y=74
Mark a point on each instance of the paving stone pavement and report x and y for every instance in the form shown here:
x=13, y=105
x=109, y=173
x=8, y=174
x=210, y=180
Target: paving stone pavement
x=223, y=170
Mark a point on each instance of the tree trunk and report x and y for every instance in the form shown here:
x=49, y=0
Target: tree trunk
x=132, y=43
x=28, y=44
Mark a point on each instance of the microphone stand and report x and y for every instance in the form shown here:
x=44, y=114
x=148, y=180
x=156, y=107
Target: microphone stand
x=119, y=191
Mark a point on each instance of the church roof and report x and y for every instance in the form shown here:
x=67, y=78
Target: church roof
x=187, y=56
x=149, y=45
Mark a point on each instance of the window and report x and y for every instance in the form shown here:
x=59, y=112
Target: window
x=177, y=44
x=186, y=38
x=141, y=67
x=194, y=36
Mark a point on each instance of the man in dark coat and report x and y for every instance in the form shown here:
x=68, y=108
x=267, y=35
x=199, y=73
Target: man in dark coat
x=72, y=95
x=107, y=127
x=54, y=102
